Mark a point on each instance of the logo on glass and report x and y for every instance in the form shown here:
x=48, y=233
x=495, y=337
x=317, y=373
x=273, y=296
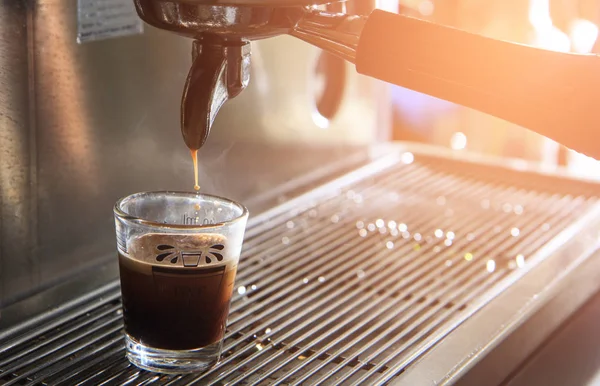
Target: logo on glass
x=190, y=258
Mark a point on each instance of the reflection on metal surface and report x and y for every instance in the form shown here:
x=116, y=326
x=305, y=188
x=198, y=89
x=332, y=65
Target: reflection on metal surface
x=65, y=97
x=19, y=269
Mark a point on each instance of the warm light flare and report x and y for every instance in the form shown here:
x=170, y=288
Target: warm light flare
x=583, y=36
x=458, y=141
x=547, y=36
x=539, y=14
x=426, y=8
x=408, y=158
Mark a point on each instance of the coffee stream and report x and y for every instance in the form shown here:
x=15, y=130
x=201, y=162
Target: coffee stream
x=194, y=154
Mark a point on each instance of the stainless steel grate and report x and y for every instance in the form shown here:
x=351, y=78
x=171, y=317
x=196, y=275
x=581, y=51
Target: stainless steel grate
x=349, y=284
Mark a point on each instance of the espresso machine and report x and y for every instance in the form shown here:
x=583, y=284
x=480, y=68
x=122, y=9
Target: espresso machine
x=366, y=260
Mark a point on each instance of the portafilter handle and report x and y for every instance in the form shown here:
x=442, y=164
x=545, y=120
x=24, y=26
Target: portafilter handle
x=552, y=93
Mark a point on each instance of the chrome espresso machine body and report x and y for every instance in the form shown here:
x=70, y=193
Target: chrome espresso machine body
x=366, y=261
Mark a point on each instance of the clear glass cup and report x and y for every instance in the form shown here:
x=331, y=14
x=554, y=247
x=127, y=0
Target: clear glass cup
x=178, y=256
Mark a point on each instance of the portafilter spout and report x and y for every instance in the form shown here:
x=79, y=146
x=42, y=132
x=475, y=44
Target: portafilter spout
x=220, y=71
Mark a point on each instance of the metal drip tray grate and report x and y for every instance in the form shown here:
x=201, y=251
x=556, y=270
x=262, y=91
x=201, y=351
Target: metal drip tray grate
x=349, y=284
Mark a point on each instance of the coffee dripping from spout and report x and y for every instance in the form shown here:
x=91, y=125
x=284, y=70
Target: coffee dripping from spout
x=548, y=92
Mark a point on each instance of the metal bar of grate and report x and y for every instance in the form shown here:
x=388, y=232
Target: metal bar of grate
x=95, y=337
x=347, y=285
x=21, y=362
x=79, y=357
x=95, y=302
x=64, y=332
x=92, y=364
x=100, y=371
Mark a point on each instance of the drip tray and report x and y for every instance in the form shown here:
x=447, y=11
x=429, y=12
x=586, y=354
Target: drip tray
x=352, y=283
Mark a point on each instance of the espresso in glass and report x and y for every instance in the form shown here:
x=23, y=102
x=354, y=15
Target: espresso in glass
x=175, y=309
x=178, y=255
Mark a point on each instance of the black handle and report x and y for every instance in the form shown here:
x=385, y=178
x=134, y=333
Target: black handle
x=555, y=94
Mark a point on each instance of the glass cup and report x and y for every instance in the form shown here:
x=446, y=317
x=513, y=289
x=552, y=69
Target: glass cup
x=178, y=256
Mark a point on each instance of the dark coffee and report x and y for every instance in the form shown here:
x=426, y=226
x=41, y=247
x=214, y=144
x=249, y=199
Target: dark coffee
x=175, y=308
